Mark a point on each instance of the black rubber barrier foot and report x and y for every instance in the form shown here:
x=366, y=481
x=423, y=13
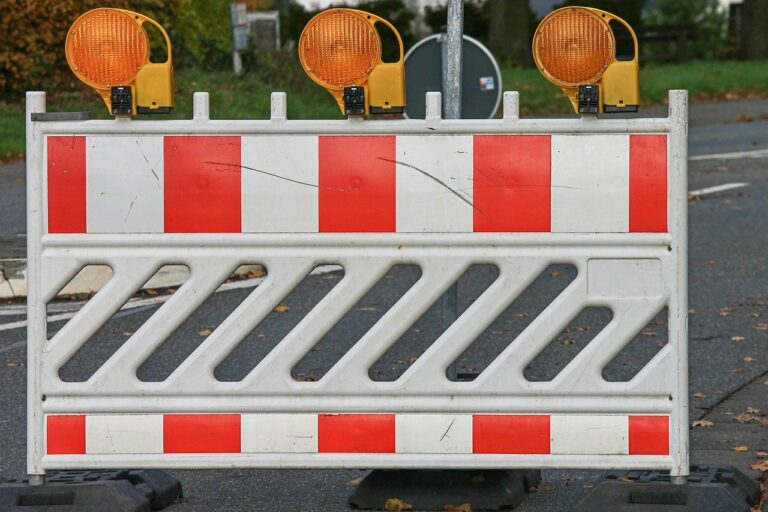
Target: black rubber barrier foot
x=94, y=491
x=160, y=488
x=112, y=496
x=709, y=489
x=434, y=489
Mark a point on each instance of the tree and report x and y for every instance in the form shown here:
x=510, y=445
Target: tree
x=754, y=29
x=510, y=31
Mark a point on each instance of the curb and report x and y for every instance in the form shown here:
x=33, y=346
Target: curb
x=13, y=278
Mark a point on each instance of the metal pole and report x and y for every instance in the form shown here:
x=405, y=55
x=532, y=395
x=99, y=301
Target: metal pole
x=452, y=67
x=454, y=59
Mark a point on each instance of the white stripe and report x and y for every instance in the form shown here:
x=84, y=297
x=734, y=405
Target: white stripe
x=433, y=433
x=590, y=183
x=755, y=153
x=718, y=188
x=124, y=184
x=271, y=202
x=589, y=435
x=434, y=184
x=279, y=433
x=124, y=433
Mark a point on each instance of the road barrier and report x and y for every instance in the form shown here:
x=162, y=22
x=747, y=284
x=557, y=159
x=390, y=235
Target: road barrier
x=607, y=196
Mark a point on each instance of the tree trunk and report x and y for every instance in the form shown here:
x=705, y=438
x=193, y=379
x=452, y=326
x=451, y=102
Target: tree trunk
x=510, y=31
x=754, y=29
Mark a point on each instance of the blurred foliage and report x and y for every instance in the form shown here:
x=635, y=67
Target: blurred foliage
x=709, y=22
x=34, y=32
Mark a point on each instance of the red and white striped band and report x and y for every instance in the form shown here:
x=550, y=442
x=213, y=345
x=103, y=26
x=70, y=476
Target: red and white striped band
x=588, y=183
x=572, y=434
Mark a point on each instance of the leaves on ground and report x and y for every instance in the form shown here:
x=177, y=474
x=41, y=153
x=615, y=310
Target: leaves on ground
x=464, y=507
x=760, y=466
x=282, y=308
x=737, y=338
x=699, y=394
x=740, y=449
x=702, y=423
x=204, y=332
x=760, y=326
x=396, y=505
x=749, y=359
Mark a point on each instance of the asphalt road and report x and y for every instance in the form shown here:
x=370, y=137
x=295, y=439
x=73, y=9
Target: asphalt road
x=728, y=347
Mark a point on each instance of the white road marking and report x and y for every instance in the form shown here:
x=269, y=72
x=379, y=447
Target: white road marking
x=719, y=188
x=755, y=153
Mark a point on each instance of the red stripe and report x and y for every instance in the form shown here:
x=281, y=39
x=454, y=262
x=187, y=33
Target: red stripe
x=357, y=184
x=66, y=435
x=356, y=433
x=202, y=184
x=648, y=183
x=649, y=435
x=201, y=433
x=512, y=183
x=66, y=184
x=510, y=434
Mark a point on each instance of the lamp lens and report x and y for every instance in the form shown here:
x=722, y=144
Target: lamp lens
x=573, y=46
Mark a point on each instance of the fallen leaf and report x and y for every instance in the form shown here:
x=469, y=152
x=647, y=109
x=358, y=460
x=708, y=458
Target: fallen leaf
x=556, y=273
x=626, y=479
x=127, y=333
x=648, y=332
x=761, y=454
x=413, y=359
x=252, y=273
x=760, y=466
x=151, y=292
x=699, y=394
x=752, y=410
x=740, y=449
x=355, y=482
x=282, y=308
x=521, y=315
x=702, y=423
x=204, y=332
x=569, y=341
x=737, y=338
x=748, y=359
x=743, y=418
x=14, y=364
x=464, y=507
x=396, y=505
x=761, y=326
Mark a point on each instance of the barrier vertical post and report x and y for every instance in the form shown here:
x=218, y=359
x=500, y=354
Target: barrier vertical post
x=678, y=172
x=36, y=314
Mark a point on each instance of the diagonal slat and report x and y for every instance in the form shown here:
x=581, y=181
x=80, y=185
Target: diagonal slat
x=274, y=371
x=97, y=311
x=196, y=372
x=351, y=371
x=428, y=372
x=506, y=371
x=121, y=366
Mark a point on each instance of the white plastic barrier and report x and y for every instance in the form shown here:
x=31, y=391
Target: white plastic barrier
x=607, y=196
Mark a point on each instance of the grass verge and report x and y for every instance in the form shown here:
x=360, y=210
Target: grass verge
x=247, y=97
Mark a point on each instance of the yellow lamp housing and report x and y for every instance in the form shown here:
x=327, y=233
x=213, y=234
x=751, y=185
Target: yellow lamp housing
x=575, y=49
x=340, y=50
x=109, y=50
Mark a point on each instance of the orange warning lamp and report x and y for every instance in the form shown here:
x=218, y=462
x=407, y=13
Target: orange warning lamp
x=340, y=50
x=108, y=49
x=575, y=49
